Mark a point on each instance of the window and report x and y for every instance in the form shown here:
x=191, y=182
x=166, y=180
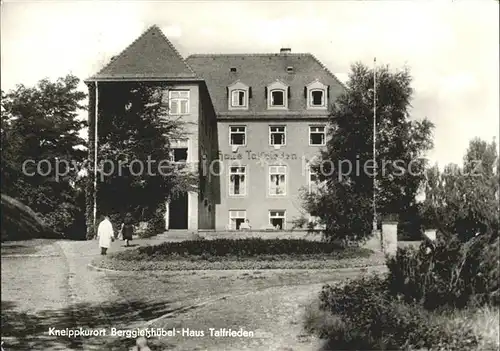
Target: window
x=277, y=135
x=237, y=181
x=317, y=135
x=278, y=98
x=238, y=98
x=178, y=102
x=238, y=95
x=277, y=180
x=277, y=219
x=237, y=135
x=236, y=218
x=317, y=98
x=316, y=95
x=276, y=95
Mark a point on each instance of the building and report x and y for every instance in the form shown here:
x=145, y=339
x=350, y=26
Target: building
x=259, y=118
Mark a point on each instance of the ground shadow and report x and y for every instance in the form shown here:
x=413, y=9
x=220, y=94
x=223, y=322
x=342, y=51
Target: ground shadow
x=24, y=247
x=26, y=331
x=130, y=245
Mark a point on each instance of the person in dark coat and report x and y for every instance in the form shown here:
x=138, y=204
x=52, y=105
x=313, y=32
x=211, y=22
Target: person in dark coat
x=127, y=229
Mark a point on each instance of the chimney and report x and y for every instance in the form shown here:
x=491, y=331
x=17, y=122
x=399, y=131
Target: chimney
x=285, y=50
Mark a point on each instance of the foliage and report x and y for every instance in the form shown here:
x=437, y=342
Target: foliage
x=241, y=248
x=155, y=226
x=40, y=124
x=19, y=222
x=133, y=260
x=463, y=201
x=369, y=319
x=447, y=273
x=135, y=129
x=410, y=224
x=345, y=167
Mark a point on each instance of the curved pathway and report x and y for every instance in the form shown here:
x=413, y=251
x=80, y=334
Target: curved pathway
x=54, y=288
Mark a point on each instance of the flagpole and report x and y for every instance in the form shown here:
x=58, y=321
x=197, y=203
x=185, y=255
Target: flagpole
x=374, y=144
x=95, y=152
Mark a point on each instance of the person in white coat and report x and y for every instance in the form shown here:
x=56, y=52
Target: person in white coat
x=105, y=234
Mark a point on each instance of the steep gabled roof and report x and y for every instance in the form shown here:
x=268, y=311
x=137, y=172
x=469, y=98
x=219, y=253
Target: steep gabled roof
x=260, y=70
x=151, y=56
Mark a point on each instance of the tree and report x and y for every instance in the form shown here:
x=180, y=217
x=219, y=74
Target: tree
x=463, y=200
x=40, y=127
x=135, y=129
x=345, y=203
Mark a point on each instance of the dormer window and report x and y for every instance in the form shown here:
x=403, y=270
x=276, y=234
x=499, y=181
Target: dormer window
x=317, y=95
x=238, y=98
x=317, y=98
x=277, y=97
x=238, y=94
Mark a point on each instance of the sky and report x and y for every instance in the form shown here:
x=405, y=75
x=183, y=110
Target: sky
x=451, y=47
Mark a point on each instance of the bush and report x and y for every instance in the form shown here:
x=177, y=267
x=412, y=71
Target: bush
x=155, y=226
x=255, y=249
x=447, y=273
x=242, y=248
x=372, y=319
x=20, y=222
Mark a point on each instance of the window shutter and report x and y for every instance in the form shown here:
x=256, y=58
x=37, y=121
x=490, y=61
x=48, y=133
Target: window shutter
x=305, y=92
x=328, y=92
x=250, y=92
x=289, y=93
x=227, y=92
x=265, y=93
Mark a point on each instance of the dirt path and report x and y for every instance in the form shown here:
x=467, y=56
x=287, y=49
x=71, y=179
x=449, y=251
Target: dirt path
x=52, y=287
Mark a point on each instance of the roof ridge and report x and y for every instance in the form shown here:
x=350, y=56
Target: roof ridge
x=154, y=26
x=250, y=54
x=174, y=48
x=123, y=51
x=328, y=71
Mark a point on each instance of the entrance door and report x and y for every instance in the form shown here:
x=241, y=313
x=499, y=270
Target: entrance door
x=178, y=207
x=178, y=212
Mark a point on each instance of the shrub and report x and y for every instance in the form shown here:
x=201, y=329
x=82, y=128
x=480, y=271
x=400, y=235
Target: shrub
x=242, y=247
x=372, y=319
x=254, y=248
x=447, y=273
x=20, y=222
x=155, y=226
